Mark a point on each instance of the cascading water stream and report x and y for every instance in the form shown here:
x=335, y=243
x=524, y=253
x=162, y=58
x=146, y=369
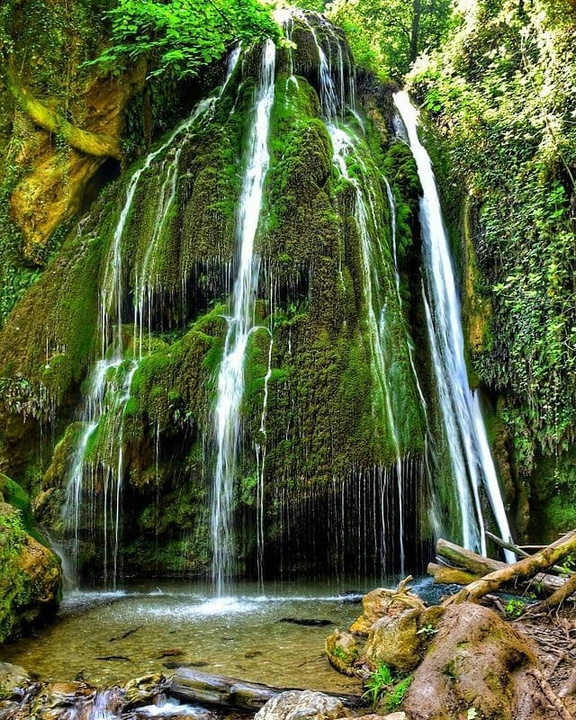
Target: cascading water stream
x=470, y=455
x=343, y=143
x=111, y=377
x=230, y=385
x=146, y=274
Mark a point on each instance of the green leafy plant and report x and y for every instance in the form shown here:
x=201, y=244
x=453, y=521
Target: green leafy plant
x=515, y=607
x=180, y=37
x=386, y=687
x=378, y=682
x=428, y=631
x=395, y=697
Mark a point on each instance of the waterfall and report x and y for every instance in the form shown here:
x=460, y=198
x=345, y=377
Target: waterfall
x=332, y=82
x=110, y=379
x=365, y=213
x=230, y=385
x=472, y=463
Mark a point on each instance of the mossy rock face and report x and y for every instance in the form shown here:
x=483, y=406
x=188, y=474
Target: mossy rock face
x=54, y=189
x=30, y=577
x=315, y=413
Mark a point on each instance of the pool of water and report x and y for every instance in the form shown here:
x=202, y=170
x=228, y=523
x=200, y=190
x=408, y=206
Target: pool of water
x=108, y=638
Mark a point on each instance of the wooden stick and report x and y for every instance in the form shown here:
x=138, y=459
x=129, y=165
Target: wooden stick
x=550, y=695
x=521, y=570
x=558, y=597
x=520, y=551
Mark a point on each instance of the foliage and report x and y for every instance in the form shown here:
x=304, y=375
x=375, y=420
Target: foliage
x=515, y=607
x=386, y=688
x=387, y=35
x=428, y=631
x=181, y=37
x=503, y=93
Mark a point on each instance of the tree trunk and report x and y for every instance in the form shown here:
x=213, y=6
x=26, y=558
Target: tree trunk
x=196, y=686
x=478, y=566
x=523, y=569
x=415, y=32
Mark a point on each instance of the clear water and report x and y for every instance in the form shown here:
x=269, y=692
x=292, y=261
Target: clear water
x=147, y=629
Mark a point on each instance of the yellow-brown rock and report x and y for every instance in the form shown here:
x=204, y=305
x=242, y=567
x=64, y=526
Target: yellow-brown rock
x=53, y=191
x=383, y=601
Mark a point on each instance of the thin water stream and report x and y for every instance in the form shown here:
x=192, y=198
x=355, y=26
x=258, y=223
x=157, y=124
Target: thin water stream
x=108, y=638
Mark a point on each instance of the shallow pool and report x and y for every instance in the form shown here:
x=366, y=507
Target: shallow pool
x=254, y=634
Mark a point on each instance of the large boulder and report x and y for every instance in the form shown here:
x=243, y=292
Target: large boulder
x=383, y=602
x=478, y=663
x=30, y=576
x=394, y=641
x=301, y=705
x=389, y=632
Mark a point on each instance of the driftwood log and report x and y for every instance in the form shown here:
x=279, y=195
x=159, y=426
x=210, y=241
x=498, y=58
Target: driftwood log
x=197, y=686
x=471, y=567
x=524, y=569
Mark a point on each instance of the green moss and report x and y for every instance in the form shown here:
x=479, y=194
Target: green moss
x=16, y=496
x=30, y=576
x=42, y=360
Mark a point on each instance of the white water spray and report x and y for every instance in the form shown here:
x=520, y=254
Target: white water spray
x=470, y=455
x=230, y=388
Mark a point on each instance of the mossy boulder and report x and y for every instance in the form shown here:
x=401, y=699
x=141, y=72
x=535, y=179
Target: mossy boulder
x=389, y=632
x=476, y=661
x=30, y=577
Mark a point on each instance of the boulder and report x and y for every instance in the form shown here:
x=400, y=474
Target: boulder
x=30, y=577
x=13, y=681
x=343, y=652
x=391, y=631
x=476, y=661
x=301, y=705
x=394, y=641
x=383, y=601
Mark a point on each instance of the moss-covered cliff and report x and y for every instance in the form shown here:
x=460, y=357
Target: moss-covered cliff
x=333, y=430
x=108, y=394
x=30, y=574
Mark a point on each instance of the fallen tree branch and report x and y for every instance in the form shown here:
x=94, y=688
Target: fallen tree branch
x=521, y=570
x=197, y=686
x=87, y=142
x=472, y=566
x=520, y=551
x=558, y=597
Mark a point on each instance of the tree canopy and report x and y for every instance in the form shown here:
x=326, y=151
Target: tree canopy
x=388, y=35
x=182, y=36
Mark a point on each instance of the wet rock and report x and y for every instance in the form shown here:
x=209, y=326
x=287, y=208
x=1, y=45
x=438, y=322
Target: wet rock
x=391, y=716
x=394, y=641
x=343, y=651
x=383, y=601
x=14, y=681
x=57, y=701
x=389, y=632
x=144, y=690
x=301, y=705
x=171, y=710
x=9, y=709
x=30, y=577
